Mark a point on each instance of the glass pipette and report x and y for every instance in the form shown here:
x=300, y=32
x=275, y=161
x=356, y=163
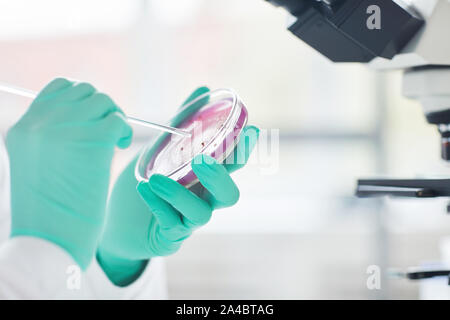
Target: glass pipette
x=32, y=94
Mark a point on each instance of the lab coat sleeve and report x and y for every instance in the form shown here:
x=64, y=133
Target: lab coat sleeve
x=33, y=268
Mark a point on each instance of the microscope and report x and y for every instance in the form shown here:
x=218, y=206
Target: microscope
x=413, y=36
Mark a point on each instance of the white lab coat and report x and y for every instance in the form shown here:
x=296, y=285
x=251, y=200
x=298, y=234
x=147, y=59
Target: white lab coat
x=33, y=268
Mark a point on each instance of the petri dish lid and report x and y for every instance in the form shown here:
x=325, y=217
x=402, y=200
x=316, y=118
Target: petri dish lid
x=215, y=121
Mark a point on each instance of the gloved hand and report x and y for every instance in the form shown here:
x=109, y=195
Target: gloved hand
x=60, y=153
x=155, y=220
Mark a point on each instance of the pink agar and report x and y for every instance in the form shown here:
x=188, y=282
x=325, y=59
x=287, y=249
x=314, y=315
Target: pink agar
x=204, y=125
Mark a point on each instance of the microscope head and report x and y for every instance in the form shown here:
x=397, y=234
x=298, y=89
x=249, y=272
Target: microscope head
x=352, y=30
x=386, y=34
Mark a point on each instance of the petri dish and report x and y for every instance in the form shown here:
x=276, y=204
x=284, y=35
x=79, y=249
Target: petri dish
x=214, y=120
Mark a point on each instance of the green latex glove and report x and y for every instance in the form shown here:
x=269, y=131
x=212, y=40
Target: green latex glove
x=155, y=220
x=60, y=153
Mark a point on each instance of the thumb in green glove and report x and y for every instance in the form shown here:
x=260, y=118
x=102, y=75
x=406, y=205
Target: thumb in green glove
x=179, y=211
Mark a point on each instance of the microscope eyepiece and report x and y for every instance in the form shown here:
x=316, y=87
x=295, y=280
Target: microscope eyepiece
x=292, y=6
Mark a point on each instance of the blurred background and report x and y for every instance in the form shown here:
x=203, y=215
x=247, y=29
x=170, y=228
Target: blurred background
x=297, y=232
